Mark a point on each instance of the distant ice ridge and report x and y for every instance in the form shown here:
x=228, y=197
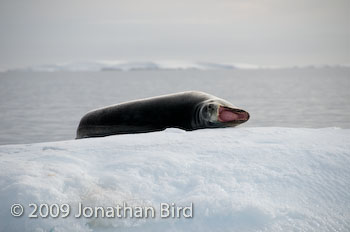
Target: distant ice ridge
x=96, y=66
x=240, y=179
x=130, y=66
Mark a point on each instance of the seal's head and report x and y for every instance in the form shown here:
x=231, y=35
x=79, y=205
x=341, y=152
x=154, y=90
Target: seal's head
x=219, y=113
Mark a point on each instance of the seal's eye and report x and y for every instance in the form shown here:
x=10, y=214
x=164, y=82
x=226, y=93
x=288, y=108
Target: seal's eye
x=211, y=108
x=208, y=111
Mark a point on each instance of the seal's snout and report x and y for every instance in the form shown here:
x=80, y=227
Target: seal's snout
x=227, y=114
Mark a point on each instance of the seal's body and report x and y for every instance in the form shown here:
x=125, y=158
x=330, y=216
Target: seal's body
x=186, y=110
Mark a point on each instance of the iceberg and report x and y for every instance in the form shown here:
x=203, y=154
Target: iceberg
x=119, y=65
x=240, y=179
x=155, y=65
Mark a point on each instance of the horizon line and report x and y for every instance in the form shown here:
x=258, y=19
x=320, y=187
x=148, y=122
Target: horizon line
x=153, y=65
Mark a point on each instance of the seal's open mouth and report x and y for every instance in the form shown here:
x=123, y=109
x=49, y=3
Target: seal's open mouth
x=230, y=115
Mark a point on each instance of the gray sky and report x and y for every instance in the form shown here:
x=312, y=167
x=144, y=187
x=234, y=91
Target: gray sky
x=263, y=32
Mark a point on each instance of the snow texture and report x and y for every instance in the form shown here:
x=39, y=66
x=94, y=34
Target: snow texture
x=241, y=179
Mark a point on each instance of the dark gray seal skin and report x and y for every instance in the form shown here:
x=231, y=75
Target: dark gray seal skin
x=189, y=110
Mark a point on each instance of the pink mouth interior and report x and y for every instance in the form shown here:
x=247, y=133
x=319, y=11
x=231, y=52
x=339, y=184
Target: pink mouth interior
x=226, y=115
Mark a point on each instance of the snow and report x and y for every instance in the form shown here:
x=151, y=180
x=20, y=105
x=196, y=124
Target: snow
x=238, y=179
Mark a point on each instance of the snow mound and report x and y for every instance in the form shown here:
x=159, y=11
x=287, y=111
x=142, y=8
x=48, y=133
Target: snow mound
x=241, y=179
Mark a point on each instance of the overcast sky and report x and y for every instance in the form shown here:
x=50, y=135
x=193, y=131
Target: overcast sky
x=263, y=32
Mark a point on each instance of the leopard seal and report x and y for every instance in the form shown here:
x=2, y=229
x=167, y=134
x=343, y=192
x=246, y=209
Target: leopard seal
x=190, y=110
